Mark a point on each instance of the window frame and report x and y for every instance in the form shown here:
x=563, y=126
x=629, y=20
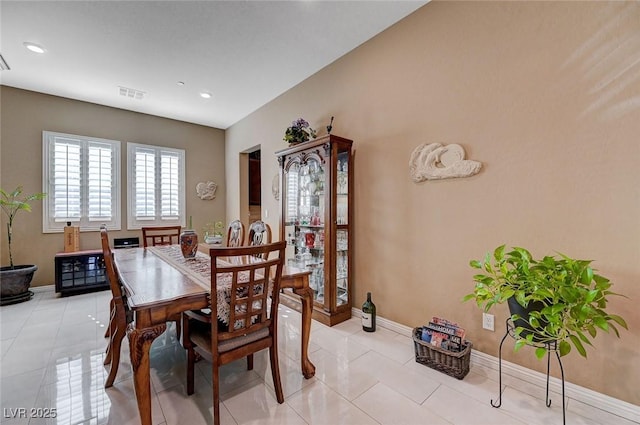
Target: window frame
x=134, y=223
x=49, y=223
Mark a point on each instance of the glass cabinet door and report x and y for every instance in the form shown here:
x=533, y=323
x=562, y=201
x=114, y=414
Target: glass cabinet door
x=305, y=220
x=342, y=231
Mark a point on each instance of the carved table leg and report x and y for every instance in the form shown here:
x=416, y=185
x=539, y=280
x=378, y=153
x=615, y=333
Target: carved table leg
x=139, y=343
x=306, y=294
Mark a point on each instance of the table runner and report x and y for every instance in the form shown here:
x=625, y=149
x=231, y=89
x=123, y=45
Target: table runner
x=199, y=270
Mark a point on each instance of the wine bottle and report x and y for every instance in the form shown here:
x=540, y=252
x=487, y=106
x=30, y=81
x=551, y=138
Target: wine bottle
x=368, y=315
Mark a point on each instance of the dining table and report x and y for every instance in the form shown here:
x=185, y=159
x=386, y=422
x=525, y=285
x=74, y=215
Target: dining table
x=159, y=282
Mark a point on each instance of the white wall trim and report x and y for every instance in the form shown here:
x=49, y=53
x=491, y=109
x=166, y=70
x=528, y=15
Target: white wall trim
x=43, y=288
x=598, y=400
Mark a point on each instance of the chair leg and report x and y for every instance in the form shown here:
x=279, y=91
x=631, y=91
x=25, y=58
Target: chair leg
x=116, y=344
x=191, y=354
x=110, y=331
x=250, y=362
x=107, y=332
x=215, y=378
x=275, y=372
x=178, y=327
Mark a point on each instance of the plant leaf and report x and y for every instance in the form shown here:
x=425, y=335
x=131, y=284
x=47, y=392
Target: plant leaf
x=564, y=348
x=578, y=345
x=540, y=352
x=619, y=320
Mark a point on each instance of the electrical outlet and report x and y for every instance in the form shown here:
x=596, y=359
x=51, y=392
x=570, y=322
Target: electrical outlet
x=487, y=321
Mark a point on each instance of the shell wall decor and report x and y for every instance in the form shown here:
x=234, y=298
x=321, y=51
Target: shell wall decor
x=435, y=161
x=206, y=191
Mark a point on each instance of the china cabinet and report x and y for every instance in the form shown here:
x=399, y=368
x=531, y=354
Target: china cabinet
x=316, y=221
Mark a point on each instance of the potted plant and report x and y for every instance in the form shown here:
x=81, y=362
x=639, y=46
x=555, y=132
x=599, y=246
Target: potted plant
x=213, y=232
x=299, y=132
x=16, y=279
x=568, y=297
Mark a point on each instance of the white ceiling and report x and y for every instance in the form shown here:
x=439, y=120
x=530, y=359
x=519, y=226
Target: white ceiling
x=245, y=53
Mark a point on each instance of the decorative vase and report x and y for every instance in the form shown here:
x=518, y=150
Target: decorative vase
x=189, y=243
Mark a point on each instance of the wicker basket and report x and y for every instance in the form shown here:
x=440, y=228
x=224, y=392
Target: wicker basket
x=449, y=362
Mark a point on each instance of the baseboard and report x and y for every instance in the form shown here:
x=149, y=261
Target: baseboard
x=43, y=288
x=598, y=400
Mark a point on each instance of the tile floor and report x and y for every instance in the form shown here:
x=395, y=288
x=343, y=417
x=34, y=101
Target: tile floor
x=53, y=348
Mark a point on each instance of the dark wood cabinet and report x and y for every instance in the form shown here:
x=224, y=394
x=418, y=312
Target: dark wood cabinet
x=316, y=198
x=80, y=272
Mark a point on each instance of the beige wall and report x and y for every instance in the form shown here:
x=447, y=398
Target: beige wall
x=25, y=114
x=545, y=94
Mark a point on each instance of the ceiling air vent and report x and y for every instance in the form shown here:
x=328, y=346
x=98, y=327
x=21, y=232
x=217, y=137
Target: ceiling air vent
x=132, y=93
x=4, y=66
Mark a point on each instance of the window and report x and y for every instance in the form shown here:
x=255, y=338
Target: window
x=156, y=186
x=81, y=176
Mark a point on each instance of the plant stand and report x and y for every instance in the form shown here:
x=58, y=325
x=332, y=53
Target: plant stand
x=550, y=346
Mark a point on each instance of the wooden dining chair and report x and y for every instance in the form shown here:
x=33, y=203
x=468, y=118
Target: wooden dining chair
x=235, y=234
x=254, y=289
x=167, y=235
x=120, y=316
x=259, y=233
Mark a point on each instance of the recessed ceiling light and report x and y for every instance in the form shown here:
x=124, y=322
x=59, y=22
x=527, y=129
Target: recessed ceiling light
x=36, y=48
x=181, y=83
x=205, y=95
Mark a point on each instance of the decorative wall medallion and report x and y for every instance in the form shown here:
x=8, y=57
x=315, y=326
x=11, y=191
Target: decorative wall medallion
x=275, y=187
x=206, y=191
x=434, y=161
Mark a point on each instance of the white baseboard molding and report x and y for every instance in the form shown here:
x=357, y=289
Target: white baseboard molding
x=43, y=288
x=598, y=400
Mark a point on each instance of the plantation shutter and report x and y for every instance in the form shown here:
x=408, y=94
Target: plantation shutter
x=100, y=187
x=157, y=195
x=66, y=166
x=81, y=179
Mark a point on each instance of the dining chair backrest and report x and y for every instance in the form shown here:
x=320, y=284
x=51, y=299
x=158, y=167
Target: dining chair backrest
x=120, y=314
x=166, y=235
x=110, y=268
x=259, y=233
x=253, y=314
x=253, y=281
x=235, y=234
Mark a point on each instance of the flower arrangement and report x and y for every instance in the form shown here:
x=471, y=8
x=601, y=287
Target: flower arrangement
x=299, y=132
x=213, y=232
x=213, y=229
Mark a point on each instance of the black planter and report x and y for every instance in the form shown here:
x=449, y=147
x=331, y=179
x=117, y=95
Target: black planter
x=15, y=283
x=516, y=308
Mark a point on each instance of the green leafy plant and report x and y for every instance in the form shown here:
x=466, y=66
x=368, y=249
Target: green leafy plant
x=11, y=203
x=213, y=229
x=573, y=298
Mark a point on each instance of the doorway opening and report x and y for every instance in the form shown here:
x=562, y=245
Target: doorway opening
x=250, y=186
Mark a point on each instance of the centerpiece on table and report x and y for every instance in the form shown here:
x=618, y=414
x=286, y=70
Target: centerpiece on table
x=299, y=132
x=213, y=232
